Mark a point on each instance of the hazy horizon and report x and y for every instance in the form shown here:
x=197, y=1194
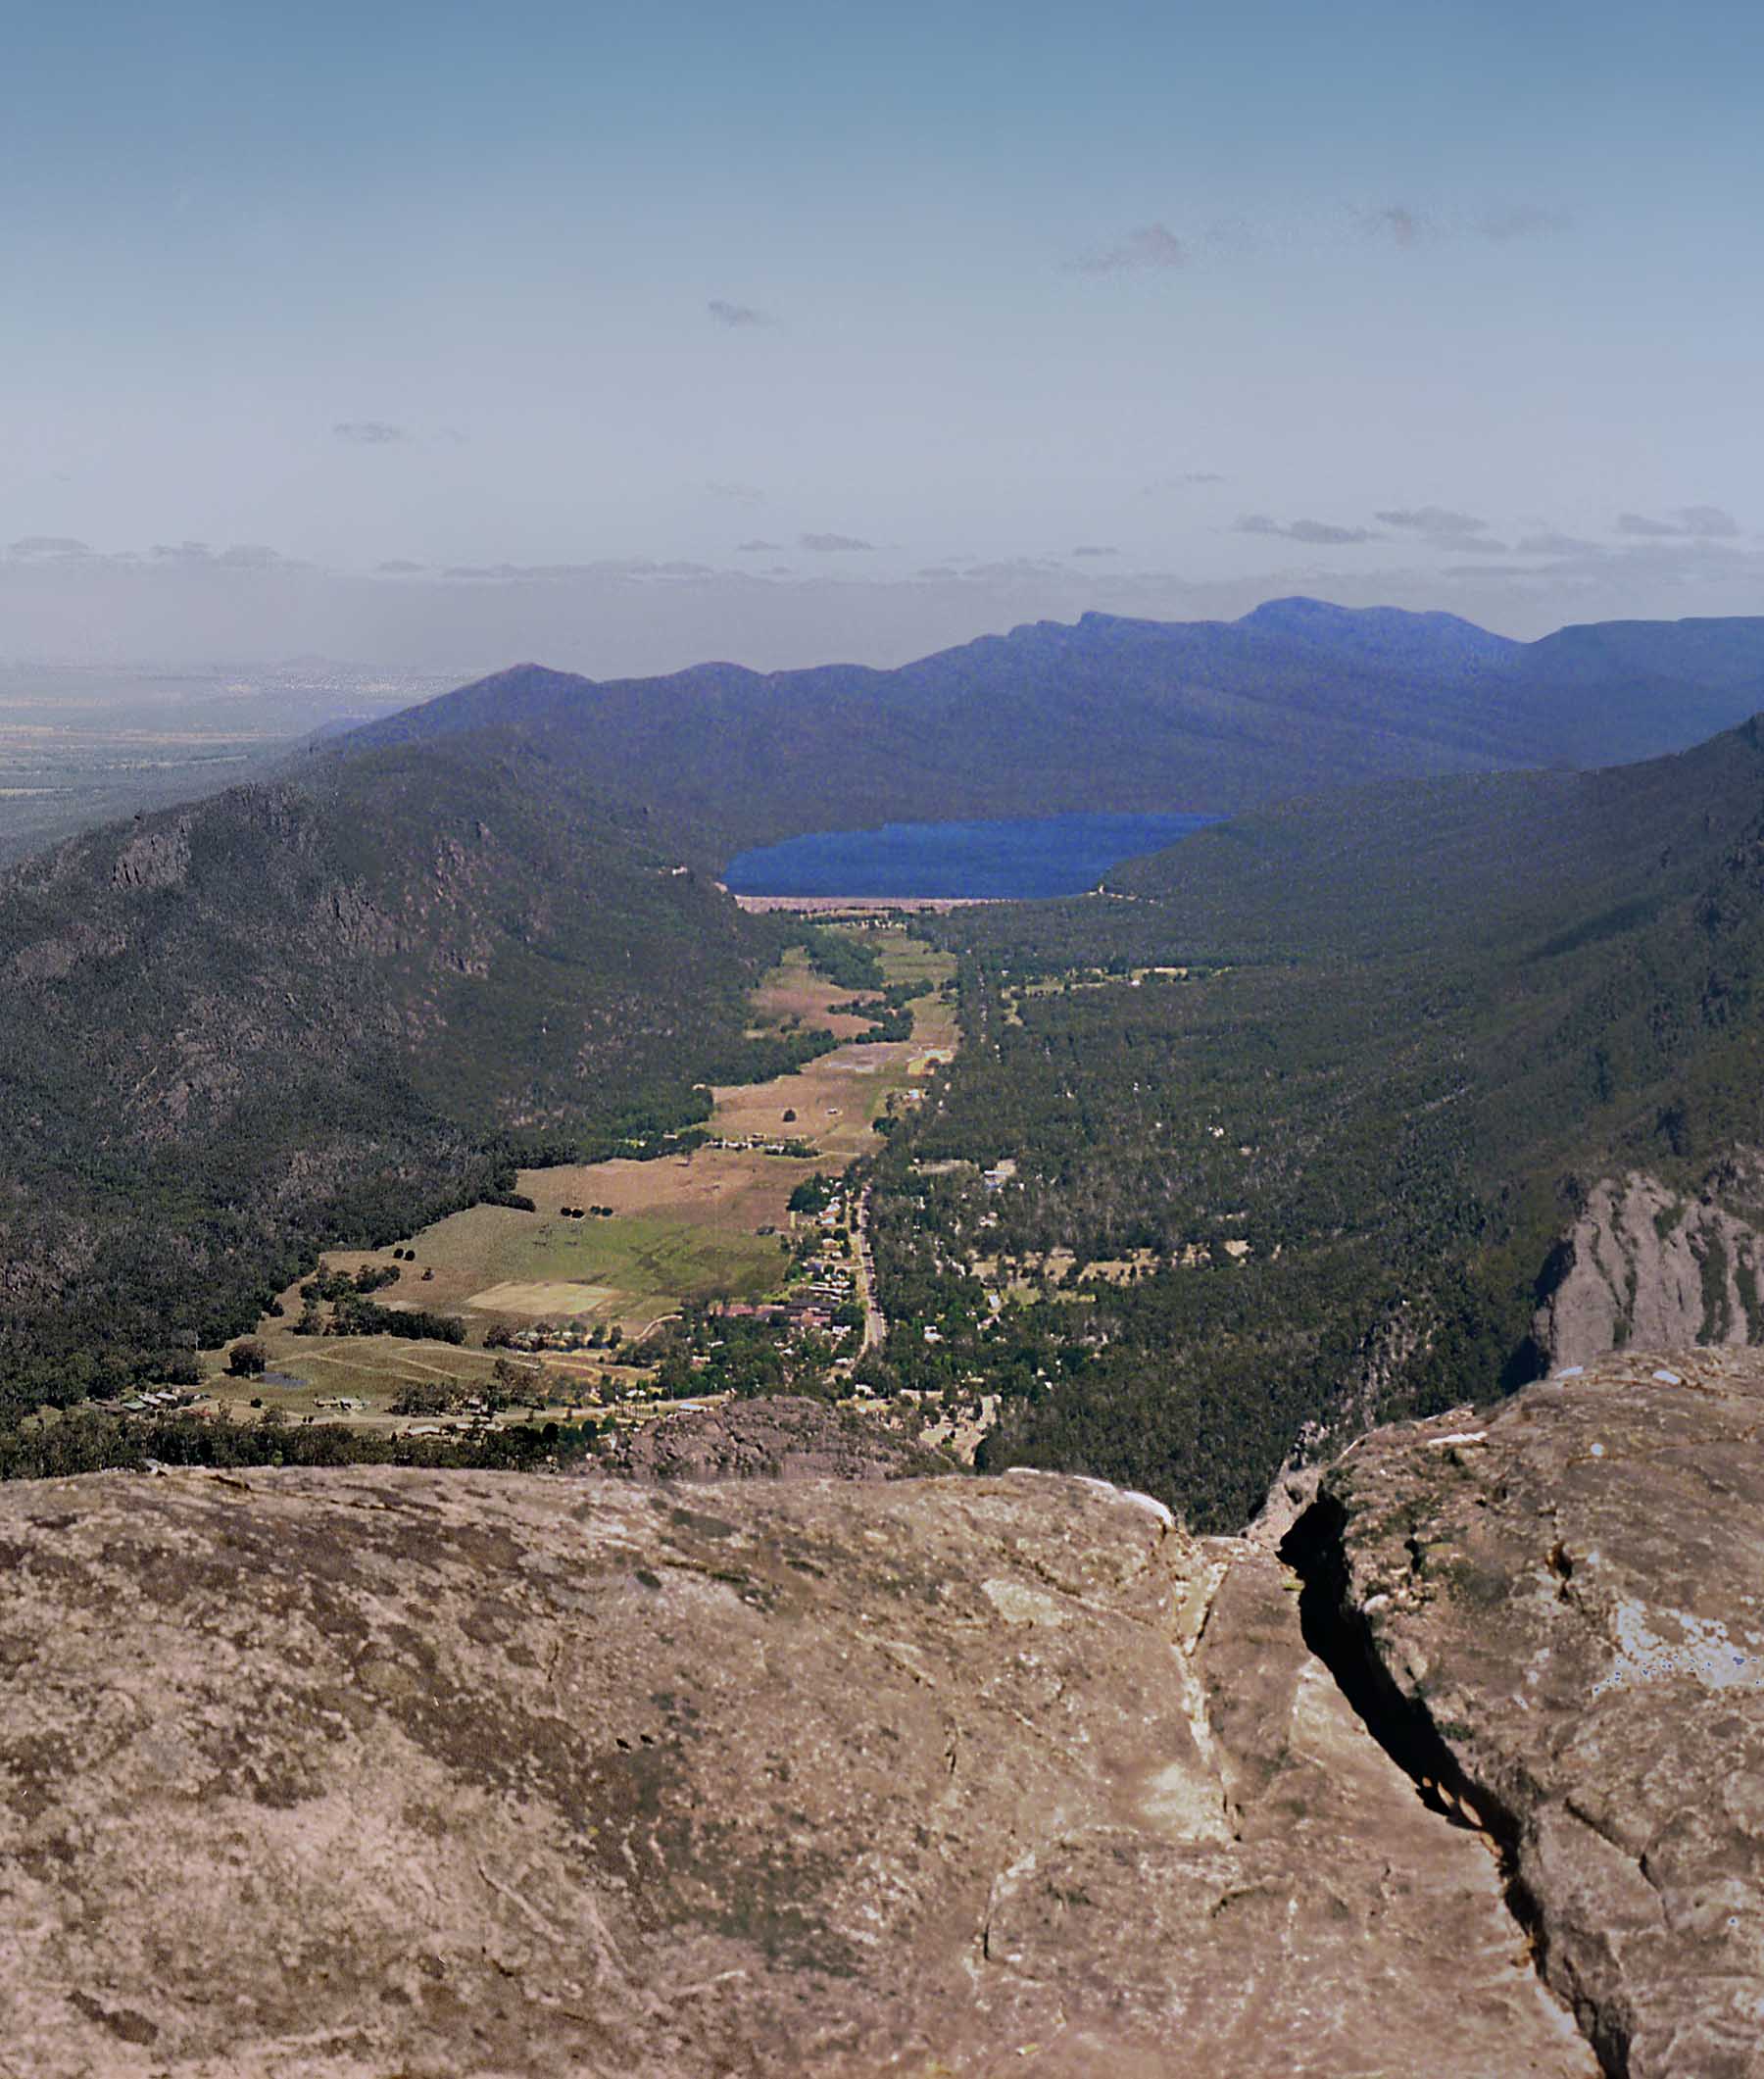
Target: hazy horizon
x=430, y=339
x=620, y=623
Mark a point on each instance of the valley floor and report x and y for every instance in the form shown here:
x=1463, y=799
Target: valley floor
x=578, y=1290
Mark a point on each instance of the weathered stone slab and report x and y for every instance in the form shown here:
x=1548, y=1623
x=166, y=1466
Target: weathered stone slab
x=1570, y=1595
x=774, y=1437
x=375, y=1772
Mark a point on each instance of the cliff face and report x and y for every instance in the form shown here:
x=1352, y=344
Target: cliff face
x=1642, y=1266
x=358, y=1772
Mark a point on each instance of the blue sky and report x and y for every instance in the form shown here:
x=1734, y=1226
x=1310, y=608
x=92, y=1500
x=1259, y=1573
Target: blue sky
x=787, y=329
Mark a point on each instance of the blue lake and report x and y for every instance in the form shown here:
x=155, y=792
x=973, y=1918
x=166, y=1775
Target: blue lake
x=1022, y=859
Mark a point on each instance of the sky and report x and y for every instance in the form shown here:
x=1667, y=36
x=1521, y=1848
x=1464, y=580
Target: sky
x=441, y=335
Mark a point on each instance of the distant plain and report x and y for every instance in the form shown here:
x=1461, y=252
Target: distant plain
x=81, y=747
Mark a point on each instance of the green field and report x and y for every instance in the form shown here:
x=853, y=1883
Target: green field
x=646, y=1264
x=906, y=959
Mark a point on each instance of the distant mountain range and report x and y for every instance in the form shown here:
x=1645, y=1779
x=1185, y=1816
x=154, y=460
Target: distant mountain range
x=1114, y=713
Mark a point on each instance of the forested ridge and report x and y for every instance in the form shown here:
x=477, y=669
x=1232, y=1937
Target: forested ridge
x=1112, y=713
x=1323, y=1184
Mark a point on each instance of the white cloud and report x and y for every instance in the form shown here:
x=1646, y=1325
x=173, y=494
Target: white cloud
x=1442, y=527
x=1683, y=523
x=370, y=432
x=34, y=546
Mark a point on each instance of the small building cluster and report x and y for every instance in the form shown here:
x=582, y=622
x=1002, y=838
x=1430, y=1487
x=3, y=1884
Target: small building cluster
x=575, y=1334
x=161, y=1400
x=819, y=1287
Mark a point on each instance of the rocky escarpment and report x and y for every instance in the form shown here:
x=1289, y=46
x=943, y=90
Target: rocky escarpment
x=354, y=1773
x=1557, y=1617
x=1644, y=1265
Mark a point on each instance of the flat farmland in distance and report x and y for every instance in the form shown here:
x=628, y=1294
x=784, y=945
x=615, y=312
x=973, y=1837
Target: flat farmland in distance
x=838, y=1097
x=733, y=1189
x=910, y=960
x=371, y=1368
x=82, y=745
x=832, y=908
x=835, y=1099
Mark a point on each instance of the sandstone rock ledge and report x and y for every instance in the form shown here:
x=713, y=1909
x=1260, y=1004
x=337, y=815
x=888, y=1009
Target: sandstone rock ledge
x=776, y=1437
x=379, y=1772
x=1560, y=1611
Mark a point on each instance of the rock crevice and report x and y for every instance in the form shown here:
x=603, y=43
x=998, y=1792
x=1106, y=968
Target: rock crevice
x=1339, y=1632
x=327, y=1774
x=1550, y=1618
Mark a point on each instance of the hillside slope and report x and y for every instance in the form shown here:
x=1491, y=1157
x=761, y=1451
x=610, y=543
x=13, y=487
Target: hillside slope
x=1608, y=692
x=1477, y=859
x=1114, y=713
x=292, y=1014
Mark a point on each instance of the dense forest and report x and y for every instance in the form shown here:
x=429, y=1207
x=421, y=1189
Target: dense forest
x=1312, y=1187
x=94, y=1440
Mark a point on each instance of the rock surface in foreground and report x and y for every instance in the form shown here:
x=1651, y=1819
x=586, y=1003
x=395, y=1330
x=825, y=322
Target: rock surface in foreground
x=1568, y=1602
x=356, y=1773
